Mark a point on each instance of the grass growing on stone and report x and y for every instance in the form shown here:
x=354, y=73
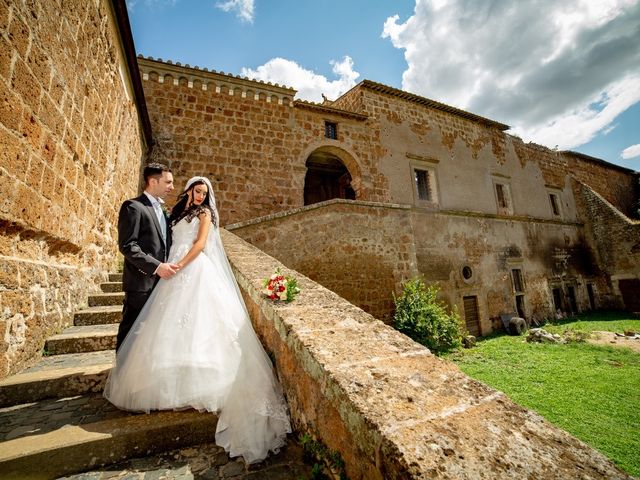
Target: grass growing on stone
x=591, y=391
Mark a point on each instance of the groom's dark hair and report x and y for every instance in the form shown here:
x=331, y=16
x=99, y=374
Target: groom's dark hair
x=154, y=170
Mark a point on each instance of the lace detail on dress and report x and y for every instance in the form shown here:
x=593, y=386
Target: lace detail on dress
x=270, y=409
x=192, y=212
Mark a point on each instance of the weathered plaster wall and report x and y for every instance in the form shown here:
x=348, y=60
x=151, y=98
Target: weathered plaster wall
x=546, y=252
x=71, y=152
x=466, y=157
x=250, y=139
x=391, y=408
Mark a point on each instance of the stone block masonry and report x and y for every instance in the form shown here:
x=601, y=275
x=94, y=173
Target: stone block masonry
x=363, y=251
x=391, y=408
x=250, y=138
x=71, y=152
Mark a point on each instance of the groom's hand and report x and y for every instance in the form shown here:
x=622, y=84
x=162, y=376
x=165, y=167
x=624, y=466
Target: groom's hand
x=167, y=270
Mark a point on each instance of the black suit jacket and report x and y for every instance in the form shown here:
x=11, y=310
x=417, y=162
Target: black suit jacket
x=140, y=241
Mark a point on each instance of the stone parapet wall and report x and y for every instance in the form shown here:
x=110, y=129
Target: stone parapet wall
x=250, y=139
x=362, y=251
x=616, y=239
x=71, y=152
x=391, y=408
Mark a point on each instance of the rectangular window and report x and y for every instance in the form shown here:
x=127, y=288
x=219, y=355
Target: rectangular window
x=422, y=184
x=502, y=196
x=331, y=130
x=555, y=206
x=518, y=284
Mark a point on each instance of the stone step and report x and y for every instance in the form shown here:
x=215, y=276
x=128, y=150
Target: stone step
x=104, y=299
x=57, y=376
x=49, y=439
x=111, y=287
x=98, y=315
x=89, y=338
x=115, y=277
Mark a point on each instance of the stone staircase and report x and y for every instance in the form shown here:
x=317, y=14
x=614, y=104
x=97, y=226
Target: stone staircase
x=53, y=418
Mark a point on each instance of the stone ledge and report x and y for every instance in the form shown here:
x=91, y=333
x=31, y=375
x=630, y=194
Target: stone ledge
x=76, y=448
x=78, y=339
x=53, y=383
x=391, y=408
x=398, y=206
x=306, y=208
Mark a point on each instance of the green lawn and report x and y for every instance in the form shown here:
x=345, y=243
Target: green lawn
x=591, y=391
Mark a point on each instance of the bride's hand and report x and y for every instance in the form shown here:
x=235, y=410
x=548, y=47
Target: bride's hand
x=167, y=270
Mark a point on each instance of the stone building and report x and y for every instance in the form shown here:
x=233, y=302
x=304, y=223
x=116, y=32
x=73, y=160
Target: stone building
x=381, y=185
x=360, y=193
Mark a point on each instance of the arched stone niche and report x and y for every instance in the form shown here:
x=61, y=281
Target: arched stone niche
x=331, y=172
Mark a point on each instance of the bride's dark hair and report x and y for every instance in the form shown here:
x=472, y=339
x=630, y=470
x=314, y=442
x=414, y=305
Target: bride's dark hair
x=180, y=209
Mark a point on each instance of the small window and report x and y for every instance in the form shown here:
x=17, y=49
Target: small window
x=518, y=284
x=555, y=206
x=502, y=196
x=422, y=184
x=467, y=273
x=331, y=130
x=503, y=199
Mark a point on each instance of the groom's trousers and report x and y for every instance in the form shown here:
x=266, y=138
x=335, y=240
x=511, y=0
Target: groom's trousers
x=133, y=303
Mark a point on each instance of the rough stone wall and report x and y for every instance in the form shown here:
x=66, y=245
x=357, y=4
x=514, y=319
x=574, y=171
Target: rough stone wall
x=359, y=250
x=364, y=252
x=351, y=100
x=71, y=152
x=618, y=186
x=250, y=139
x=615, y=239
x=391, y=408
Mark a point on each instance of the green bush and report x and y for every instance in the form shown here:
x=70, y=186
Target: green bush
x=422, y=317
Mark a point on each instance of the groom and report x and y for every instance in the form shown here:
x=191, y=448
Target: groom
x=144, y=240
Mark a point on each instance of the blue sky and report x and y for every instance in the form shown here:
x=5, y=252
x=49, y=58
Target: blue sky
x=563, y=74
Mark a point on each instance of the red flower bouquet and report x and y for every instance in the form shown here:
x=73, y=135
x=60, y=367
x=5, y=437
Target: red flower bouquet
x=279, y=287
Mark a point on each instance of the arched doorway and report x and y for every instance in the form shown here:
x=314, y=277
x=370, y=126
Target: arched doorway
x=326, y=178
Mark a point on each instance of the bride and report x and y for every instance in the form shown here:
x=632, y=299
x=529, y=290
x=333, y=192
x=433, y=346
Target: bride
x=193, y=346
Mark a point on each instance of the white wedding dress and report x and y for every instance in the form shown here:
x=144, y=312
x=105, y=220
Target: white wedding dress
x=193, y=345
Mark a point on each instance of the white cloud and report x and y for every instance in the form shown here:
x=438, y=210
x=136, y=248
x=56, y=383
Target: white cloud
x=310, y=85
x=558, y=72
x=631, y=152
x=244, y=8
x=578, y=126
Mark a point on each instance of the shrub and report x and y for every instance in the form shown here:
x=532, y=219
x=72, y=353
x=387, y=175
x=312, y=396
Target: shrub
x=423, y=318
